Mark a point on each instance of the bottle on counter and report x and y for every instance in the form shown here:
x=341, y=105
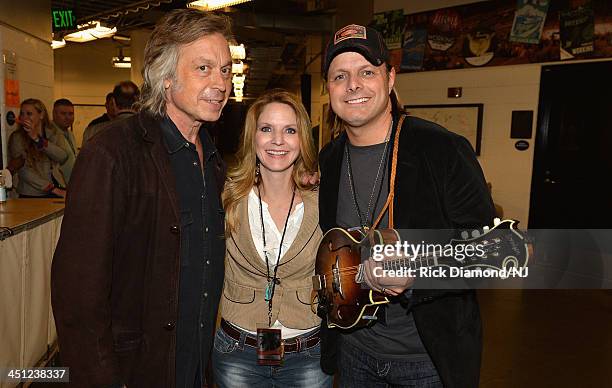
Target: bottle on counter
x=2, y=188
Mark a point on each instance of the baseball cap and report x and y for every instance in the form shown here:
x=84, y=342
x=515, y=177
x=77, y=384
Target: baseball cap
x=355, y=38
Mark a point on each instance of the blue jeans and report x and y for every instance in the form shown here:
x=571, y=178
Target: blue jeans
x=235, y=366
x=358, y=369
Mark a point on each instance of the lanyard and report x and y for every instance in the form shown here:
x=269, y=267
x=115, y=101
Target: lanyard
x=272, y=281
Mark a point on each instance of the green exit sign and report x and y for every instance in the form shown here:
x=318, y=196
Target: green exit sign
x=63, y=19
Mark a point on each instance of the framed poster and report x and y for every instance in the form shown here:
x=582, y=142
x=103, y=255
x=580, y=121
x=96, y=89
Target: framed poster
x=463, y=119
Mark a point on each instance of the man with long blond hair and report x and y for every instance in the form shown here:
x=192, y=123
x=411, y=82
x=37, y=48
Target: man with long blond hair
x=138, y=269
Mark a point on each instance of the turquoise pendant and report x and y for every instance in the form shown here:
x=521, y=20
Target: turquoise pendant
x=268, y=296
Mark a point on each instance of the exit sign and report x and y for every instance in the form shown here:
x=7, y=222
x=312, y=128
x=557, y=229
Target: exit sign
x=63, y=19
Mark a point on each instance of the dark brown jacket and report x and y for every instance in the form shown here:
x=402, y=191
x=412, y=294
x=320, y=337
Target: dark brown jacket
x=116, y=268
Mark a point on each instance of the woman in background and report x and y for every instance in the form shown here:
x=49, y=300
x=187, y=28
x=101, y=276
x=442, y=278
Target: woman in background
x=272, y=239
x=34, y=147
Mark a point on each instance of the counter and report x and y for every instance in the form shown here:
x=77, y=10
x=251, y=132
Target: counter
x=29, y=230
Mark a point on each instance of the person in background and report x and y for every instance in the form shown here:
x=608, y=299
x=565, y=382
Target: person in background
x=272, y=229
x=63, y=119
x=123, y=100
x=108, y=115
x=36, y=154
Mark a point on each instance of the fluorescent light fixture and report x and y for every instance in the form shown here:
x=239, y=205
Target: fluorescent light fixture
x=122, y=62
x=238, y=68
x=95, y=31
x=238, y=79
x=55, y=44
x=211, y=5
x=238, y=52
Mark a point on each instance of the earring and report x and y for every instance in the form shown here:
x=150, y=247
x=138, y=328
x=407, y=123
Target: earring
x=257, y=171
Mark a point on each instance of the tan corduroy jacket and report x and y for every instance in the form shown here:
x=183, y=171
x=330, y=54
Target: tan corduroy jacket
x=242, y=301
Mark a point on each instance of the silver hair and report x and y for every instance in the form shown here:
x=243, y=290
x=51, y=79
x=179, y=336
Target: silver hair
x=178, y=28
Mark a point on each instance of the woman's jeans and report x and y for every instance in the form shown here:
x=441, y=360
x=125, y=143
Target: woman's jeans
x=235, y=366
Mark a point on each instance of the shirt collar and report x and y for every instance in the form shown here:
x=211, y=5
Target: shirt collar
x=174, y=140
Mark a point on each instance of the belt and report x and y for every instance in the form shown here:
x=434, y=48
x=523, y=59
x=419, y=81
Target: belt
x=290, y=345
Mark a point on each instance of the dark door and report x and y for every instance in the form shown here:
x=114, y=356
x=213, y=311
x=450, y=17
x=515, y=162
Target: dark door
x=572, y=177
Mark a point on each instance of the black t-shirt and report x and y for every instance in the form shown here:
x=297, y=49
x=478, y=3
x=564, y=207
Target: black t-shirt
x=397, y=337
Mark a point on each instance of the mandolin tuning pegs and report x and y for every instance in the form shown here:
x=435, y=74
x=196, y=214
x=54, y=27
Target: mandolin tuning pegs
x=465, y=235
x=496, y=221
x=475, y=233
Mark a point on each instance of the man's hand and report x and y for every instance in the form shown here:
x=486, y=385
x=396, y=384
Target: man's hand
x=59, y=192
x=385, y=284
x=311, y=178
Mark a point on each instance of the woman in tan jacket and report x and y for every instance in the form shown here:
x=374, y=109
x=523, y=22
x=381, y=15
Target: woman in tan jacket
x=272, y=229
x=36, y=151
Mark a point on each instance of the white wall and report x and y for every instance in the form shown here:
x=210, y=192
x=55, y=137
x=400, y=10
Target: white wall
x=84, y=74
x=26, y=30
x=34, y=64
x=501, y=89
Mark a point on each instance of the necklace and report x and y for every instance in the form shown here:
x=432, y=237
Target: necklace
x=367, y=219
x=272, y=280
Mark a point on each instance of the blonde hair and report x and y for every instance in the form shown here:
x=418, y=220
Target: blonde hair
x=241, y=178
x=178, y=28
x=33, y=155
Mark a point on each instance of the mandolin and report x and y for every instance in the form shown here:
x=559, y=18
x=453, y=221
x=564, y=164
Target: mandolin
x=339, y=280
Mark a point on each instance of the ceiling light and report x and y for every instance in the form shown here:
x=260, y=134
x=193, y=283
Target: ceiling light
x=95, y=31
x=238, y=68
x=238, y=81
x=238, y=52
x=123, y=38
x=121, y=61
x=55, y=44
x=210, y=5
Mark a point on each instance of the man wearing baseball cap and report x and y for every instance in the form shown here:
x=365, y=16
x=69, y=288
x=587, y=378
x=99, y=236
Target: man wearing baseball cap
x=423, y=337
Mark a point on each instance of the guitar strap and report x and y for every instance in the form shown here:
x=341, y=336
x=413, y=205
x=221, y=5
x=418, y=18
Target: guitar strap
x=389, y=203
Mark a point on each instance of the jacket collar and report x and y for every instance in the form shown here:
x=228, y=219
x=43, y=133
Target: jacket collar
x=151, y=132
x=244, y=240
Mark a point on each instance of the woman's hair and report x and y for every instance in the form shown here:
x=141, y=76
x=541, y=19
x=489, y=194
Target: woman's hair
x=241, y=178
x=338, y=125
x=33, y=155
x=179, y=27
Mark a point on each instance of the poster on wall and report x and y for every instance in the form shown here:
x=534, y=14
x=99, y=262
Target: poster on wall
x=413, y=52
x=391, y=25
x=507, y=32
x=463, y=119
x=529, y=21
x=444, y=29
x=11, y=82
x=577, y=31
x=479, y=46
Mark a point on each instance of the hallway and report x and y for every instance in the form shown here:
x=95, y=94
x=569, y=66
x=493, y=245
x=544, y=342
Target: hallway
x=544, y=338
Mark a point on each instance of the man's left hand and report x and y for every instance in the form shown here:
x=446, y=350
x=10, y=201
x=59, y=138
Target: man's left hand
x=311, y=178
x=385, y=284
